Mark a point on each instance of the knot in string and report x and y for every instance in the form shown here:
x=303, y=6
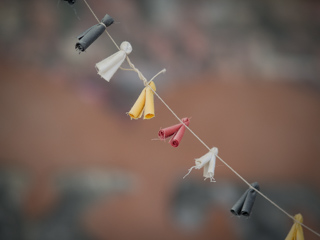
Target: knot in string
x=103, y=24
x=140, y=75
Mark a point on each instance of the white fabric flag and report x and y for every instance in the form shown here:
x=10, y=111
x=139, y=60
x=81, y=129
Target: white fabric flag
x=208, y=169
x=208, y=163
x=201, y=162
x=108, y=67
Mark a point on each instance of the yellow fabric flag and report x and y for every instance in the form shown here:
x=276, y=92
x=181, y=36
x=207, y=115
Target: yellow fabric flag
x=296, y=231
x=144, y=103
x=136, y=110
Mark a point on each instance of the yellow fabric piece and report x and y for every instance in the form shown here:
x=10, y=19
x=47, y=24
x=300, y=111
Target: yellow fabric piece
x=296, y=231
x=144, y=103
x=136, y=110
x=149, y=105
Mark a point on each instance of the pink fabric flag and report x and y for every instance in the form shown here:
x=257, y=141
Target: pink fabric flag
x=176, y=131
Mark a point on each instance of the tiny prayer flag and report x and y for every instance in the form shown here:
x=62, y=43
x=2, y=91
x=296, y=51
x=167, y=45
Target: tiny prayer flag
x=108, y=67
x=90, y=35
x=208, y=162
x=71, y=2
x=296, y=231
x=244, y=205
x=144, y=104
x=176, y=131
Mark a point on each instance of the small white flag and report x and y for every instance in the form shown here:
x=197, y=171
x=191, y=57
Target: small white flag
x=208, y=163
x=108, y=67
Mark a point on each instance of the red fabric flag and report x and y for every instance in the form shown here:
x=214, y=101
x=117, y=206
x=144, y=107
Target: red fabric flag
x=176, y=131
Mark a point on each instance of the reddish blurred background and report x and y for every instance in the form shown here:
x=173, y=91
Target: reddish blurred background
x=74, y=166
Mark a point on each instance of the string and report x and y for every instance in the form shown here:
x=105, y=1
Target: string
x=235, y=172
x=162, y=71
x=103, y=24
x=137, y=71
x=195, y=135
x=126, y=69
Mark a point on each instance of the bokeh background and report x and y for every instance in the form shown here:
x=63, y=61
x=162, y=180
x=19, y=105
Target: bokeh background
x=74, y=166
